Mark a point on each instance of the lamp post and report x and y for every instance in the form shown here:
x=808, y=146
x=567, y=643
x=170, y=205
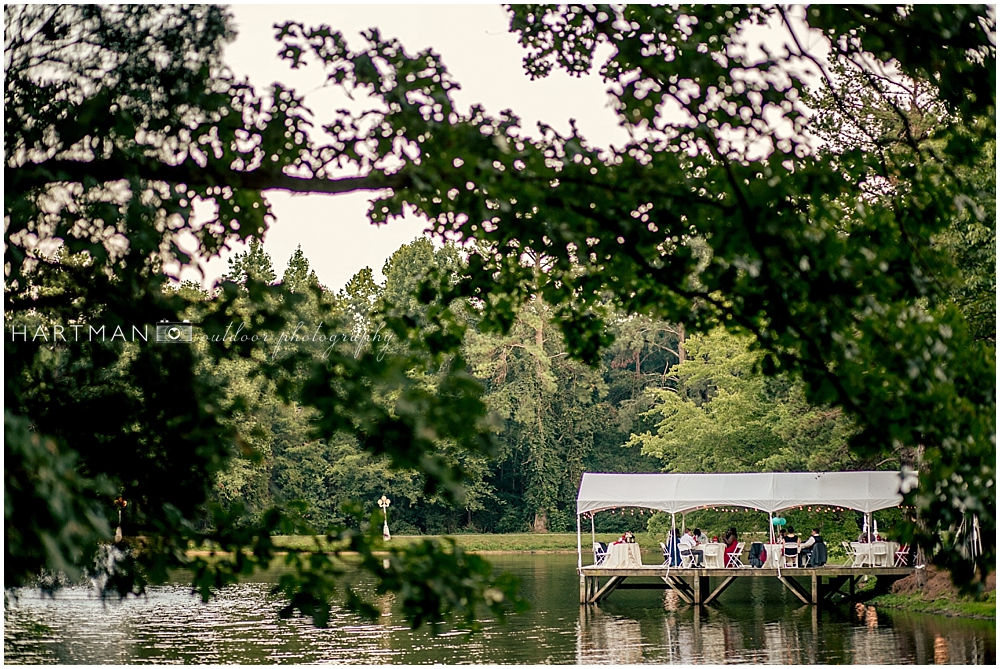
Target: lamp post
x=121, y=503
x=384, y=503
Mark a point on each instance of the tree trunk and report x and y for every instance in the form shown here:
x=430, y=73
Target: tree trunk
x=681, y=337
x=540, y=524
x=920, y=575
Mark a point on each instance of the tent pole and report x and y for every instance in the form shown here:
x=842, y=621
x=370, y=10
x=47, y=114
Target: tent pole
x=672, y=542
x=593, y=537
x=779, y=557
x=579, y=546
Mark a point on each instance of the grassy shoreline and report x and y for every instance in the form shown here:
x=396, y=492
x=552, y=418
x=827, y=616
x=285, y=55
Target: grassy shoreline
x=952, y=607
x=488, y=543
x=553, y=542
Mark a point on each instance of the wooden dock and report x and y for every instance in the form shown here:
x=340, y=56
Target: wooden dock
x=811, y=585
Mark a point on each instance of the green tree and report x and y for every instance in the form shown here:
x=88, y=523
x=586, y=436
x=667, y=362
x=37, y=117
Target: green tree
x=330, y=472
x=298, y=276
x=549, y=406
x=724, y=415
x=253, y=403
x=403, y=298
x=893, y=117
x=254, y=264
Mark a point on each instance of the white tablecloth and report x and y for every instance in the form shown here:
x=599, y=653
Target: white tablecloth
x=623, y=555
x=775, y=553
x=874, y=559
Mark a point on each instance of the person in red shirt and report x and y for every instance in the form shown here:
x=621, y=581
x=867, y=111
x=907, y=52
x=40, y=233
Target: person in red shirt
x=731, y=541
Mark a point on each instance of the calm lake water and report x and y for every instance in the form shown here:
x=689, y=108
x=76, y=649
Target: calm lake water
x=754, y=621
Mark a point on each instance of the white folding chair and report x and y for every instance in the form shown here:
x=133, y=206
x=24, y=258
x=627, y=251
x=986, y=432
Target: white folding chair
x=862, y=554
x=880, y=554
x=903, y=556
x=734, y=557
x=790, y=553
x=600, y=553
x=850, y=554
x=687, y=558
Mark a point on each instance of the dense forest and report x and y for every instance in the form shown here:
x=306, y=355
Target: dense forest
x=657, y=400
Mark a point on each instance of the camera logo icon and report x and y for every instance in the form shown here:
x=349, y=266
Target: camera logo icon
x=168, y=332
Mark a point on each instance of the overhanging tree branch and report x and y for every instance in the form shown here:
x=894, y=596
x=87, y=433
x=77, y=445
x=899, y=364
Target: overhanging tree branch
x=34, y=175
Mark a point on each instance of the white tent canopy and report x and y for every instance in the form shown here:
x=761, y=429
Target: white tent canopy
x=678, y=493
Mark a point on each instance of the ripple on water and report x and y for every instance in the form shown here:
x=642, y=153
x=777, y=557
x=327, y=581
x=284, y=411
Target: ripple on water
x=756, y=622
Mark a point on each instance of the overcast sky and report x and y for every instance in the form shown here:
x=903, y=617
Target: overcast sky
x=481, y=55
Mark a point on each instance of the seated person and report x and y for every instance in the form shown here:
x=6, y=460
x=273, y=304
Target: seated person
x=758, y=554
x=808, y=552
x=673, y=554
x=871, y=536
x=688, y=542
x=730, y=540
x=791, y=541
x=699, y=536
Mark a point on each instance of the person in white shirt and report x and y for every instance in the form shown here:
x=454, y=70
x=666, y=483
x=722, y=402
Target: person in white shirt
x=805, y=551
x=688, y=542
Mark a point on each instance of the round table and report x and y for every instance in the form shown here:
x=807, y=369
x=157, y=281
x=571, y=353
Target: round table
x=623, y=555
x=867, y=555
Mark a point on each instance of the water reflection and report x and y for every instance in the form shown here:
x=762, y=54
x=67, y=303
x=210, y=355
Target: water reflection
x=755, y=621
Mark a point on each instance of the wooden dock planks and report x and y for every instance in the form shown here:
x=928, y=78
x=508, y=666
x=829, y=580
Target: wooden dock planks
x=692, y=585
